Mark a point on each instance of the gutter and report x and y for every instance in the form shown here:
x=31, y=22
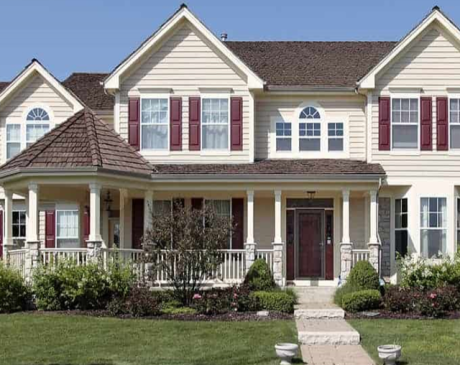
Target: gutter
x=311, y=89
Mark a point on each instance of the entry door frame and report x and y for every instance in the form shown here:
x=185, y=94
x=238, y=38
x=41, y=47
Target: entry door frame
x=298, y=212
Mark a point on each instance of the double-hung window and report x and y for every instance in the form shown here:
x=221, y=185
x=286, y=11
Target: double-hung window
x=401, y=233
x=335, y=136
x=215, y=126
x=13, y=140
x=310, y=130
x=454, y=120
x=19, y=224
x=154, y=124
x=404, y=121
x=67, y=229
x=283, y=136
x=433, y=224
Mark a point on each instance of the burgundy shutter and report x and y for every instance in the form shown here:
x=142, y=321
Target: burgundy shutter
x=86, y=226
x=238, y=223
x=236, y=118
x=426, y=124
x=1, y=233
x=384, y=124
x=290, y=244
x=194, y=112
x=176, y=124
x=137, y=223
x=134, y=122
x=442, y=124
x=50, y=229
x=197, y=203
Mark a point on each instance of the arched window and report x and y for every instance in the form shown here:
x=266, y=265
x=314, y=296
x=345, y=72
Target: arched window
x=38, y=114
x=310, y=129
x=37, y=125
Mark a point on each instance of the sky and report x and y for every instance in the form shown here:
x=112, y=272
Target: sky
x=95, y=35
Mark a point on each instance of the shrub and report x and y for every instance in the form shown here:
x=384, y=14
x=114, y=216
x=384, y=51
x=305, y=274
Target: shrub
x=278, y=301
x=362, y=300
x=217, y=301
x=69, y=286
x=259, y=277
x=400, y=300
x=138, y=303
x=14, y=293
x=340, y=292
x=363, y=276
x=179, y=310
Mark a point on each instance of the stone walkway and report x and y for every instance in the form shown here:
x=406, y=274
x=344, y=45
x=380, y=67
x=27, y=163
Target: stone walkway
x=325, y=337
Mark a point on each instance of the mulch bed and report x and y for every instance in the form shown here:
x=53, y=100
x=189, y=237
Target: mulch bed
x=225, y=317
x=383, y=314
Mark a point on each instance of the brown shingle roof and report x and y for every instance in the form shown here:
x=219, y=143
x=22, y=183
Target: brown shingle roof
x=88, y=87
x=81, y=141
x=277, y=167
x=320, y=64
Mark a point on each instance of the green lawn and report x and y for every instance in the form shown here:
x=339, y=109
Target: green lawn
x=424, y=342
x=59, y=339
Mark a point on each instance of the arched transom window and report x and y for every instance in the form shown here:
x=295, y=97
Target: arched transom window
x=22, y=135
x=310, y=129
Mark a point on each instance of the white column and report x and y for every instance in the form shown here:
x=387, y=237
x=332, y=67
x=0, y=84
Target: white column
x=95, y=213
x=373, y=217
x=123, y=207
x=148, y=206
x=278, y=212
x=346, y=216
x=32, y=228
x=250, y=207
x=8, y=227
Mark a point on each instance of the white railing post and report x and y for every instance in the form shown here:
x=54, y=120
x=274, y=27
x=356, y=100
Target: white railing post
x=278, y=245
x=346, y=247
x=250, y=245
x=374, y=244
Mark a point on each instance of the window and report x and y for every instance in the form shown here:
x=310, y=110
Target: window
x=335, y=136
x=310, y=132
x=34, y=130
x=161, y=207
x=283, y=136
x=154, y=124
x=38, y=114
x=215, y=124
x=223, y=209
x=19, y=224
x=404, y=120
x=401, y=234
x=454, y=119
x=67, y=229
x=433, y=223
x=13, y=140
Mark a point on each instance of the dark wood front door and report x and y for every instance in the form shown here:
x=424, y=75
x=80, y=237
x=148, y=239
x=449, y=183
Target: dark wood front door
x=310, y=248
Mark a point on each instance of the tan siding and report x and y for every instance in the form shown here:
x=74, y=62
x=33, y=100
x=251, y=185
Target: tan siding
x=357, y=225
x=264, y=222
x=185, y=63
x=273, y=106
x=36, y=92
x=433, y=64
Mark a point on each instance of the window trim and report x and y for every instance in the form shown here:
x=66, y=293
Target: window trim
x=450, y=148
x=56, y=237
x=443, y=228
x=419, y=130
x=155, y=151
x=282, y=120
x=221, y=150
x=342, y=137
x=25, y=223
x=402, y=228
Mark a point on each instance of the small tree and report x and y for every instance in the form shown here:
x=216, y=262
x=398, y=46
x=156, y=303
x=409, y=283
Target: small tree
x=189, y=243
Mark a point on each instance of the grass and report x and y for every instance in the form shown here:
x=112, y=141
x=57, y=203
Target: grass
x=424, y=342
x=64, y=339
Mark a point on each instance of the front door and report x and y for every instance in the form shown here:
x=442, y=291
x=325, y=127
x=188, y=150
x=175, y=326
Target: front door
x=310, y=244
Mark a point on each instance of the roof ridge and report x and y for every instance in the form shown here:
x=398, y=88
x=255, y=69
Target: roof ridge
x=96, y=158
x=313, y=41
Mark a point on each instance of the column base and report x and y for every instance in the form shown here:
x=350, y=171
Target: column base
x=346, y=259
x=250, y=255
x=374, y=255
x=94, y=250
x=278, y=249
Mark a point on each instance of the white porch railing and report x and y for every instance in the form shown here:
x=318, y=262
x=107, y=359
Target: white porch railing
x=17, y=260
x=51, y=256
x=266, y=255
x=359, y=255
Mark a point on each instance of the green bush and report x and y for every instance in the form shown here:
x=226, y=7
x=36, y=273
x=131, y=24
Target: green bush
x=362, y=300
x=259, y=277
x=340, y=292
x=179, y=310
x=69, y=286
x=278, y=301
x=14, y=293
x=363, y=276
x=138, y=303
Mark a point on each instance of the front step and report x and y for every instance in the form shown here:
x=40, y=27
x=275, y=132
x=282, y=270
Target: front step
x=326, y=332
x=308, y=295
x=320, y=313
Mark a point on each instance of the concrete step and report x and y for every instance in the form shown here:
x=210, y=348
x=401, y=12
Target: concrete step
x=326, y=332
x=306, y=295
x=304, y=312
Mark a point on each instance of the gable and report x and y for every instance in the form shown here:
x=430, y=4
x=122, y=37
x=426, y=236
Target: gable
x=185, y=59
x=432, y=62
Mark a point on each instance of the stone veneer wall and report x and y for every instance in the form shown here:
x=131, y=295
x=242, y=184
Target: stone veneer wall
x=385, y=235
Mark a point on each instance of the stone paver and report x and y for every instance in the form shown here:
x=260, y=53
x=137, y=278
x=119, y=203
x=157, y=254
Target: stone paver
x=326, y=332
x=335, y=355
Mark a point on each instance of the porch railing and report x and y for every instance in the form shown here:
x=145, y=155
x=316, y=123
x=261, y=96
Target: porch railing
x=17, y=260
x=267, y=256
x=51, y=256
x=359, y=255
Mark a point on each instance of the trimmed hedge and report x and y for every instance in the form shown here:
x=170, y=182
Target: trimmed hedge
x=259, y=277
x=14, y=293
x=278, y=301
x=362, y=300
x=363, y=276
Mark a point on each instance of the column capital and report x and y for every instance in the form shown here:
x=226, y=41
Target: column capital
x=277, y=193
x=95, y=186
x=33, y=186
x=373, y=193
x=148, y=194
x=346, y=193
x=123, y=193
x=8, y=194
x=250, y=193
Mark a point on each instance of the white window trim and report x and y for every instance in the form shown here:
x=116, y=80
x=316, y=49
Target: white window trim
x=153, y=151
x=56, y=238
x=215, y=152
x=451, y=150
x=273, y=153
x=23, y=122
x=405, y=151
x=231, y=215
x=443, y=228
